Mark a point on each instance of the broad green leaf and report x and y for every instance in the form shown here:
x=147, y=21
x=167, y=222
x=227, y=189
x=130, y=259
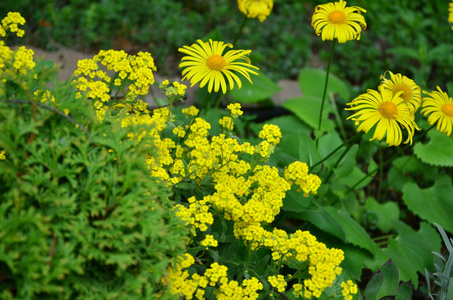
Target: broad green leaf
x=437, y=151
x=386, y=213
x=354, y=232
x=261, y=89
x=308, y=152
x=355, y=176
x=409, y=252
x=327, y=143
x=405, y=51
x=391, y=279
x=404, y=291
x=296, y=202
x=433, y=204
x=312, y=83
x=322, y=220
x=307, y=108
x=373, y=286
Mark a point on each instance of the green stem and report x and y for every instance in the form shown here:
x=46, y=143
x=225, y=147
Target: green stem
x=205, y=102
x=350, y=140
x=401, y=150
x=325, y=92
x=338, y=162
x=238, y=34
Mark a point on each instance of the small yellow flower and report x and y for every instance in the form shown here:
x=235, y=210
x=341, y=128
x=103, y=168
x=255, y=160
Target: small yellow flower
x=450, y=13
x=439, y=106
x=278, y=282
x=388, y=111
x=235, y=110
x=206, y=63
x=209, y=241
x=336, y=21
x=349, y=288
x=2, y=155
x=260, y=9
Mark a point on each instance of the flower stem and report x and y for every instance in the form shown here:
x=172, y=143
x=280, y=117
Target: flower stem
x=238, y=34
x=325, y=92
x=350, y=140
x=401, y=150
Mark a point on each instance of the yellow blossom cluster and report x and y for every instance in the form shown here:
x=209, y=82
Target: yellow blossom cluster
x=297, y=173
x=92, y=77
x=209, y=241
x=227, y=123
x=235, y=110
x=11, y=23
x=2, y=155
x=278, y=282
x=192, y=286
x=349, y=288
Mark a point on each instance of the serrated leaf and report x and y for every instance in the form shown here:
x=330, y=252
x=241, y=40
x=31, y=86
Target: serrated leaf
x=437, y=151
x=307, y=108
x=432, y=204
x=261, y=89
x=354, y=232
x=312, y=83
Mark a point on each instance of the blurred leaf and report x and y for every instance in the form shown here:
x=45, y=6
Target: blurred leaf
x=432, y=204
x=261, y=89
x=308, y=152
x=440, y=52
x=404, y=291
x=405, y=51
x=354, y=232
x=348, y=162
x=312, y=83
x=437, y=151
x=387, y=213
x=354, y=177
x=307, y=109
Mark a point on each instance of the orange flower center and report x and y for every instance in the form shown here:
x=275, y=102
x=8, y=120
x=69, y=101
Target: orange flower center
x=337, y=17
x=407, y=92
x=388, y=110
x=216, y=62
x=447, y=109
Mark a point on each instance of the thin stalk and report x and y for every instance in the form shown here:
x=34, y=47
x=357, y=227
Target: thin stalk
x=401, y=150
x=325, y=92
x=238, y=34
x=350, y=140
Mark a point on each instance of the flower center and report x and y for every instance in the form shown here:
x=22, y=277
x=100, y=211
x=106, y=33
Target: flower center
x=407, y=92
x=447, y=109
x=388, y=110
x=216, y=62
x=337, y=17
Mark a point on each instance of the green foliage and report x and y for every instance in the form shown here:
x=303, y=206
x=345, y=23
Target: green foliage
x=261, y=88
x=80, y=217
x=437, y=151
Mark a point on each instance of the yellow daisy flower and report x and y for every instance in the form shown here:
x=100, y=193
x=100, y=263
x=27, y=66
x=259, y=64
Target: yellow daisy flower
x=411, y=91
x=389, y=111
x=260, y=9
x=335, y=20
x=205, y=63
x=439, y=106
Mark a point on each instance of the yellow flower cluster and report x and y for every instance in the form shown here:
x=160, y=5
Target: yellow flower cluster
x=209, y=241
x=11, y=23
x=297, y=173
x=192, y=286
x=197, y=214
x=227, y=123
x=2, y=155
x=175, y=91
x=235, y=110
x=135, y=69
x=349, y=288
x=278, y=282
x=260, y=9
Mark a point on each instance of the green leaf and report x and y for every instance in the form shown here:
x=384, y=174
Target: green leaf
x=322, y=220
x=354, y=177
x=307, y=108
x=405, y=51
x=308, y=152
x=404, y=291
x=261, y=89
x=386, y=213
x=347, y=163
x=432, y=204
x=409, y=252
x=354, y=232
x=373, y=287
x=296, y=202
x=312, y=83
x=391, y=279
x=437, y=151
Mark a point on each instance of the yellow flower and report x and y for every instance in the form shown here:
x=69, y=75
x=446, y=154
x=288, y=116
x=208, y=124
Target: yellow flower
x=349, y=288
x=439, y=106
x=260, y=9
x=11, y=22
x=389, y=111
x=278, y=282
x=205, y=63
x=2, y=154
x=450, y=13
x=335, y=20
x=411, y=91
